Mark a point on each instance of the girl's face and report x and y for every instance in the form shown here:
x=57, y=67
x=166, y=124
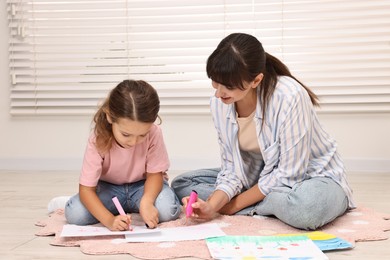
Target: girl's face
x=128, y=133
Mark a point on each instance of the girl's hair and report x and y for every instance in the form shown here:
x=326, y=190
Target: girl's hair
x=132, y=99
x=240, y=57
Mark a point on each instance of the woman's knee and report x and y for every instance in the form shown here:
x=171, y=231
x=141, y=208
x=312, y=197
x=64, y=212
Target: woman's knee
x=311, y=214
x=308, y=218
x=181, y=183
x=202, y=181
x=193, y=177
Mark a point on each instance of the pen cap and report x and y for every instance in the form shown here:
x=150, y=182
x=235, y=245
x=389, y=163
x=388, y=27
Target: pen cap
x=193, y=196
x=192, y=199
x=118, y=206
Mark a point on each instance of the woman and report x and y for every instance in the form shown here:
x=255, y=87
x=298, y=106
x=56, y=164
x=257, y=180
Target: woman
x=276, y=159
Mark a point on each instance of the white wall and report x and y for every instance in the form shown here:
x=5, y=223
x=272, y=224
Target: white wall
x=57, y=143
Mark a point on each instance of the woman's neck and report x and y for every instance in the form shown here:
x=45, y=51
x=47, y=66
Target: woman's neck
x=247, y=105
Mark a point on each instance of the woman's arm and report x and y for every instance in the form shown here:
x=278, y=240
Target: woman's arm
x=208, y=209
x=218, y=202
x=153, y=186
x=92, y=202
x=243, y=200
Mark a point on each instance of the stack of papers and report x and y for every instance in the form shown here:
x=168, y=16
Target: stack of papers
x=143, y=234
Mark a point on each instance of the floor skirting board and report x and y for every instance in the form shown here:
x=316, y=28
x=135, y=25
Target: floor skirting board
x=177, y=164
x=367, y=165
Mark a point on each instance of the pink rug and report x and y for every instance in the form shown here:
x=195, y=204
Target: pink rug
x=361, y=224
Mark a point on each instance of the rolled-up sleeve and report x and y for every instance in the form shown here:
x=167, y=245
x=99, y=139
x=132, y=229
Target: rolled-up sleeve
x=228, y=181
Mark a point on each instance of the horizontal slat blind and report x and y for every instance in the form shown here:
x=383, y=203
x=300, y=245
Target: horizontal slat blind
x=66, y=55
x=341, y=50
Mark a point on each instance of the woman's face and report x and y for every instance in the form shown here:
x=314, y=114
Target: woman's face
x=229, y=96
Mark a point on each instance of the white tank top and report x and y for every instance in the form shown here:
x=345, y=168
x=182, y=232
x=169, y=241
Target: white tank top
x=247, y=136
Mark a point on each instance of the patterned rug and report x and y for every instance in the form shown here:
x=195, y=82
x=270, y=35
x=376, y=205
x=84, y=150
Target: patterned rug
x=361, y=224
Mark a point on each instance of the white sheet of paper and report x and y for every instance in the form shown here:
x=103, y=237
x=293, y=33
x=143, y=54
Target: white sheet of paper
x=99, y=230
x=193, y=232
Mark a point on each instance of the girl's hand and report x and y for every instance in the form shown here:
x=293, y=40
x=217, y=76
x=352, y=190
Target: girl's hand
x=149, y=214
x=201, y=209
x=120, y=223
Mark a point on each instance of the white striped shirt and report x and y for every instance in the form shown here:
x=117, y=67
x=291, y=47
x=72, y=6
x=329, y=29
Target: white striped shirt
x=293, y=144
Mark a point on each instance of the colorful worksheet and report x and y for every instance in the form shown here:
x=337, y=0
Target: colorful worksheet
x=264, y=247
x=325, y=241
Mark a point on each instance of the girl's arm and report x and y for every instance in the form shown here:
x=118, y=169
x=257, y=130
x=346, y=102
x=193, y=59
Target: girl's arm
x=153, y=186
x=92, y=202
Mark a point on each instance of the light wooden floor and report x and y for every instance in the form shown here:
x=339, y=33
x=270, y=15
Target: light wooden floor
x=24, y=197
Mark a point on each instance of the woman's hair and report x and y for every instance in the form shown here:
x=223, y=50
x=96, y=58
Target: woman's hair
x=240, y=57
x=132, y=99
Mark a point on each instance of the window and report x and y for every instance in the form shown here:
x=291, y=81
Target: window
x=64, y=56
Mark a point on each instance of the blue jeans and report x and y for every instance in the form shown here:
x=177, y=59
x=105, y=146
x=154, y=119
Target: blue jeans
x=129, y=195
x=307, y=205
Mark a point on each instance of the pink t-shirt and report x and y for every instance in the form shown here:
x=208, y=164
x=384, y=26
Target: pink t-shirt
x=125, y=165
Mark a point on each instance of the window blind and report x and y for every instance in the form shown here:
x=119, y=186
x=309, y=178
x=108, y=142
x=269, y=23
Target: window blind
x=64, y=56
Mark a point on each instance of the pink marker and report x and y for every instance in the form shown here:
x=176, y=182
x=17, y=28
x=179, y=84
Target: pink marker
x=119, y=208
x=191, y=200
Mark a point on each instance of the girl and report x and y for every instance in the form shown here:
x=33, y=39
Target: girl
x=125, y=157
x=276, y=159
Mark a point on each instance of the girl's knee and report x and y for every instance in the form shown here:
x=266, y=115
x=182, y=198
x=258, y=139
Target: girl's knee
x=72, y=216
x=168, y=210
x=170, y=213
x=77, y=214
x=168, y=205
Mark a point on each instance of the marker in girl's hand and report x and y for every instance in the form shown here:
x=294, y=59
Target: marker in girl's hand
x=120, y=209
x=191, y=200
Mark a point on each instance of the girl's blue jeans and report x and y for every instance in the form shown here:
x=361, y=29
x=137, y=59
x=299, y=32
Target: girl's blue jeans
x=307, y=205
x=129, y=195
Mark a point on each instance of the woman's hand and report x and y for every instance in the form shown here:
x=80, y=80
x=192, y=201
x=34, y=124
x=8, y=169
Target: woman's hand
x=201, y=209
